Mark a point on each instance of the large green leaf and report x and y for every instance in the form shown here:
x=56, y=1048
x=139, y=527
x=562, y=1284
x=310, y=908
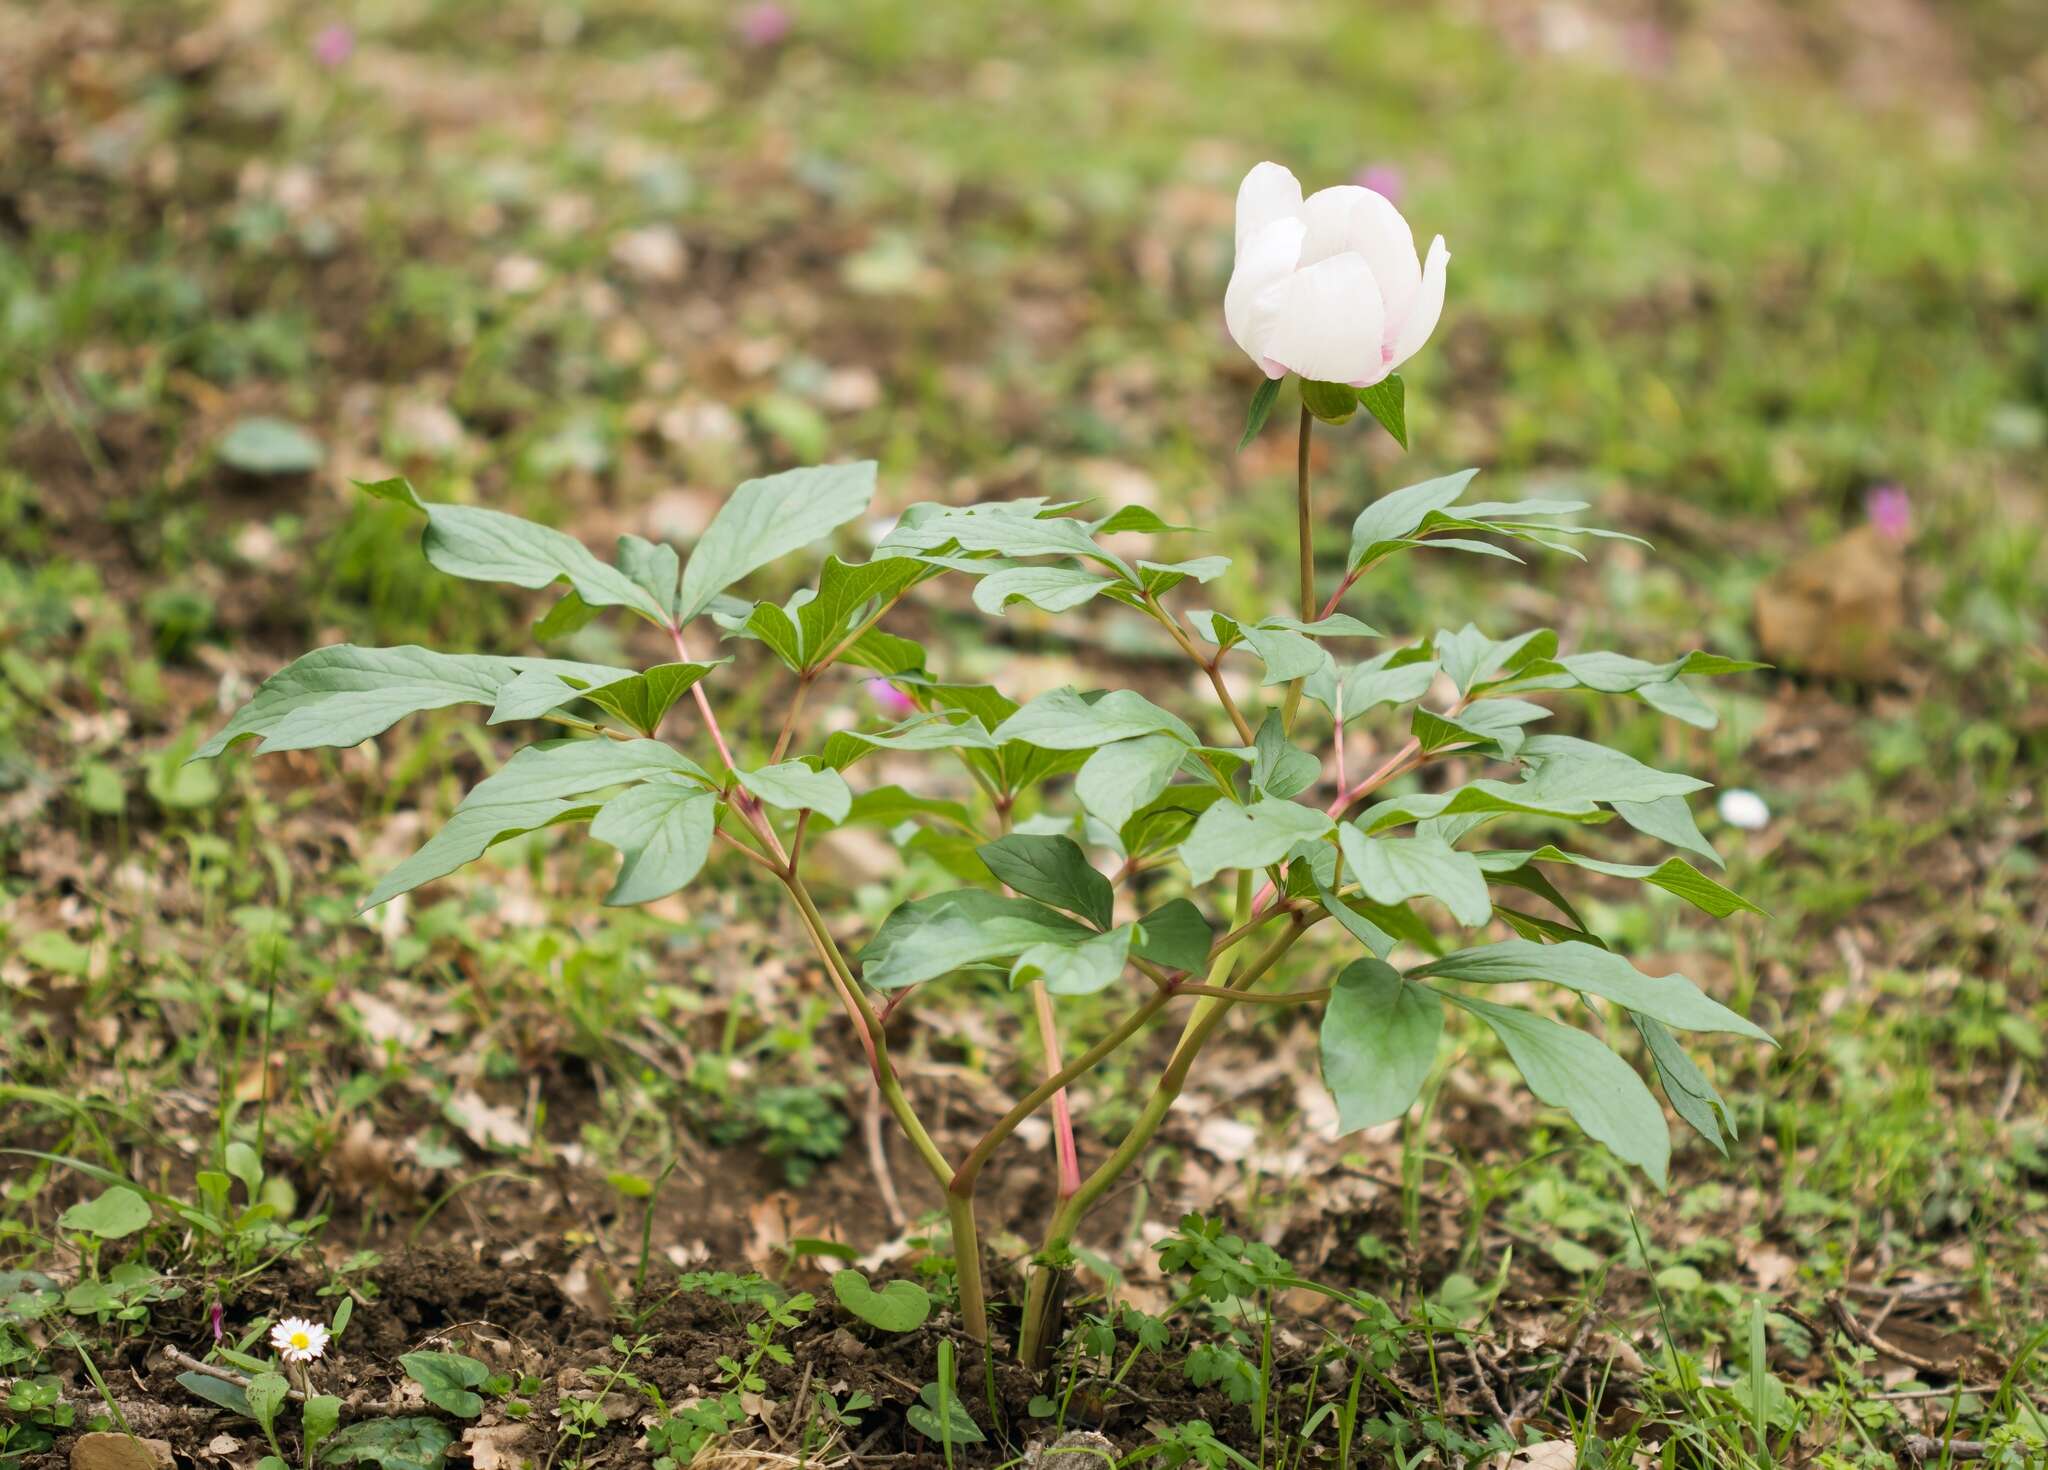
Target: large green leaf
x=1052, y=870
x=1569, y=1069
x=1669, y=820
x=930, y=937
x=1062, y=719
x=1175, y=935
x=662, y=828
x=1484, y=798
x=1379, y=1039
x=1075, y=969
x=1672, y=999
x=1567, y=766
x=805, y=629
x=1124, y=776
x=1692, y=1096
x=344, y=694
x=491, y=546
x=794, y=787
x=1392, y=869
x=1011, y=529
x=1674, y=875
x=1232, y=836
x=1366, y=686
x=112, y=1215
x=1471, y=658
x=448, y=1380
x=1282, y=768
x=1051, y=589
x=640, y=698
x=415, y=1442
x=767, y=518
x=1388, y=522
x=540, y=785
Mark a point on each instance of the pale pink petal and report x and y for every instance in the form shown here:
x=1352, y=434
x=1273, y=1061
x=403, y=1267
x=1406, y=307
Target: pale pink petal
x=1327, y=321
x=1268, y=193
x=1407, y=333
x=1363, y=222
x=1264, y=258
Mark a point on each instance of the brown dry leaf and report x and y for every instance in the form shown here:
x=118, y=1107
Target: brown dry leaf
x=496, y=1446
x=1552, y=1454
x=1838, y=610
x=120, y=1452
x=487, y=1124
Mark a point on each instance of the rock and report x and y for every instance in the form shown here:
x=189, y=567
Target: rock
x=1836, y=612
x=120, y=1452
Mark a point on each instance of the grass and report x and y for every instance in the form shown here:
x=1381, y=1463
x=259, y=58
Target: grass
x=1723, y=278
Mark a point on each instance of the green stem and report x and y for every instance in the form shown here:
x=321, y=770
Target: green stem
x=1035, y=1340
x=1306, y=530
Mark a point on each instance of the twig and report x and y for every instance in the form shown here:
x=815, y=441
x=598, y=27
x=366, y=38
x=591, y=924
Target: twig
x=1871, y=1340
x=1920, y=1448
x=241, y=1380
x=1501, y=1416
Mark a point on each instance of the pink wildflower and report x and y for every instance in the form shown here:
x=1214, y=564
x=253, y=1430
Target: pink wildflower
x=334, y=45
x=764, y=25
x=1890, y=510
x=1384, y=180
x=892, y=700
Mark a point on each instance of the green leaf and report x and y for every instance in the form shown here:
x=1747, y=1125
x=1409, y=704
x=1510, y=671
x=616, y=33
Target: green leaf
x=1333, y=403
x=1492, y=725
x=1484, y=798
x=900, y=1306
x=542, y=784
x=343, y=695
x=268, y=446
x=1692, y=1096
x=1668, y=819
x=1017, y=528
x=1468, y=656
x=1062, y=719
x=267, y=1393
x=1566, y=766
x=1262, y=405
x=1287, y=655
x=640, y=699
x=1387, y=401
x=663, y=829
x=1175, y=935
x=930, y=937
x=1283, y=769
x=1231, y=836
x=654, y=566
x=885, y=806
x=1569, y=1069
x=114, y=1215
x=318, y=1420
x=767, y=518
x=491, y=546
x=1672, y=999
x=415, y=1442
x=1674, y=875
x=1377, y=941
x=1379, y=1038
x=1366, y=686
x=446, y=1379
x=794, y=787
x=808, y=627
x=1125, y=776
x=1075, y=969
x=940, y=1416
x=1391, y=869
x=218, y=1392
x=1053, y=870
x=1386, y=524
x=1052, y=589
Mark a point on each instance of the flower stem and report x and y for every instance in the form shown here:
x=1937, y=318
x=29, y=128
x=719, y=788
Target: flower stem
x=1305, y=525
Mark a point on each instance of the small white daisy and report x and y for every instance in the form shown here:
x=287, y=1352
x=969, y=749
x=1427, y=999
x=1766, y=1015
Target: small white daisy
x=1744, y=809
x=297, y=1340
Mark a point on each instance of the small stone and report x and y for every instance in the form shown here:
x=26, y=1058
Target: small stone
x=845, y=1345
x=1075, y=1449
x=120, y=1452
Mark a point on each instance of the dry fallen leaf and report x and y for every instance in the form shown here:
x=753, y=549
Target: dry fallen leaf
x=119, y=1452
x=495, y=1446
x=1838, y=610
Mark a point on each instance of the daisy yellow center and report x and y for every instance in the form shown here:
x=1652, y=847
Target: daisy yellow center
x=302, y=1340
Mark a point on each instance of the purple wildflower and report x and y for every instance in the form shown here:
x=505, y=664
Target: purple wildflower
x=1890, y=510
x=1383, y=179
x=764, y=25
x=892, y=700
x=334, y=45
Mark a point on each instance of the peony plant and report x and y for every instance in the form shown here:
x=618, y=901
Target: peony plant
x=1092, y=840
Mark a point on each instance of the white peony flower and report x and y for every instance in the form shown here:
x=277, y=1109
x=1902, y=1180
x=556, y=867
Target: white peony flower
x=297, y=1340
x=1329, y=286
x=1744, y=809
